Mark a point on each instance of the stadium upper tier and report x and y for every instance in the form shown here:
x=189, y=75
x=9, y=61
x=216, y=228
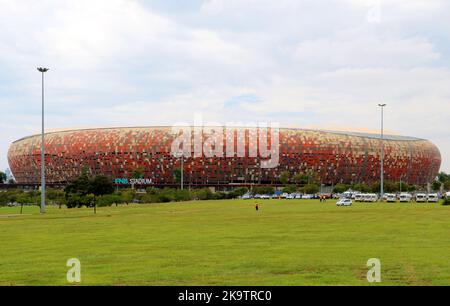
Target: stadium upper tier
x=334, y=157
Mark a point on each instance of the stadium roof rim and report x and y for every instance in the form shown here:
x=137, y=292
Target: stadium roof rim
x=346, y=133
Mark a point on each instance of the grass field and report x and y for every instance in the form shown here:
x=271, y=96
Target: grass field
x=288, y=242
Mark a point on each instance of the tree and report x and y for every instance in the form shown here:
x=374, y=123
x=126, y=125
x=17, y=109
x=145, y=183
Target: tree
x=362, y=187
x=436, y=185
x=284, y=177
x=177, y=175
x=311, y=189
x=340, y=188
x=138, y=173
x=390, y=186
x=375, y=187
x=447, y=185
x=263, y=190
x=23, y=199
x=81, y=185
x=84, y=190
x=301, y=178
x=443, y=177
x=290, y=189
x=100, y=185
x=55, y=196
x=127, y=195
x=239, y=192
x=2, y=177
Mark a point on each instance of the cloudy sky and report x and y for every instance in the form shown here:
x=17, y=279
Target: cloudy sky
x=305, y=63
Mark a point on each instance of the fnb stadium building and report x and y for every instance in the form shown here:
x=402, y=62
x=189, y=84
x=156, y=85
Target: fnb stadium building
x=335, y=157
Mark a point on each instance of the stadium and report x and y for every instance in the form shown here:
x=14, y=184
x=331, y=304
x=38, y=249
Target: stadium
x=335, y=157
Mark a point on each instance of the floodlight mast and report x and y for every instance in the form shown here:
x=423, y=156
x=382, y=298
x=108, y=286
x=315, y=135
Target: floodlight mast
x=42, y=70
x=382, y=151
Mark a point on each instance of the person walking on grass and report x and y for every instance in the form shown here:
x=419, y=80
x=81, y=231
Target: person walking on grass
x=257, y=207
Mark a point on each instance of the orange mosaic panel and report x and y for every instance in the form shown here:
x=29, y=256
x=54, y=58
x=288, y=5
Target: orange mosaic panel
x=118, y=152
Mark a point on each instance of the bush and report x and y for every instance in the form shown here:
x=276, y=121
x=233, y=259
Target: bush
x=446, y=201
x=10, y=196
x=289, y=189
x=183, y=195
x=203, y=194
x=79, y=200
x=361, y=187
x=239, y=192
x=263, y=190
x=340, y=188
x=311, y=189
x=109, y=199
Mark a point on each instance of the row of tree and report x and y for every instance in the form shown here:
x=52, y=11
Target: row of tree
x=442, y=180
x=4, y=179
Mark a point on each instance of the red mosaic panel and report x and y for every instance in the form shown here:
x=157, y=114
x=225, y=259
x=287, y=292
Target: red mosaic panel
x=118, y=152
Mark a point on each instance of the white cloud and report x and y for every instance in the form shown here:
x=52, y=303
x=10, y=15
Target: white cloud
x=313, y=63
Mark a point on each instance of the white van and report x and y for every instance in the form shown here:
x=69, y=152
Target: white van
x=421, y=198
x=391, y=198
x=433, y=198
x=359, y=197
x=370, y=197
x=405, y=198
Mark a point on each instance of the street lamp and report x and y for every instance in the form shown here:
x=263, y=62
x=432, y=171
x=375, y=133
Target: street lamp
x=182, y=171
x=382, y=152
x=42, y=70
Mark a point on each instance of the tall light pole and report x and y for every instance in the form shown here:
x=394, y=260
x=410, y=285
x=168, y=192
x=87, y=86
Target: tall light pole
x=182, y=171
x=42, y=70
x=382, y=151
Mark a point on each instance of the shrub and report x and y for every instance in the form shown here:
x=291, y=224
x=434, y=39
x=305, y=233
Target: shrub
x=340, y=188
x=311, y=189
x=108, y=200
x=238, y=192
x=203, y=194
x=183, y=195
x=362, y=187
x=79, y=200
x=446, y=201
x=9, y=196
x=289, y=189
x=263, y=190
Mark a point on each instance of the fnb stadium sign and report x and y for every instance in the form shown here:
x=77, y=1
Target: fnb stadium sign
x=125, y=181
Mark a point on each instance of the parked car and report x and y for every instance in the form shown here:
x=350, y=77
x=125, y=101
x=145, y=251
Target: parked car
x=405, y=198
x=359, y=197
x=370, y=197
x=433, y=198
x=344, y=202
x=298, y=196
x=308, y=196
x=247, y=196
x=421, y=198
x=391, y=198
x=265, y=197
x=290, y=196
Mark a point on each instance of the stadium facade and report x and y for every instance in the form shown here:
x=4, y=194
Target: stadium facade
x=335, y=157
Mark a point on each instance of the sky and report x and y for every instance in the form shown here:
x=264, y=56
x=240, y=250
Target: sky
x=311, y=64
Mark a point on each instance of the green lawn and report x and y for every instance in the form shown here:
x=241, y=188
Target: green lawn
x=288, y=242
